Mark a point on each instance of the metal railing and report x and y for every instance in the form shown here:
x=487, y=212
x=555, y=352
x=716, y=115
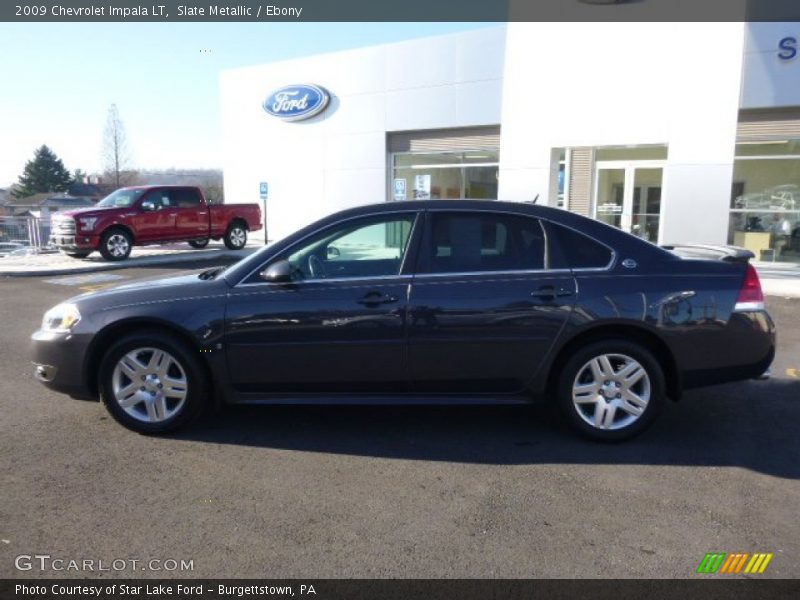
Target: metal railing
x=28, y=231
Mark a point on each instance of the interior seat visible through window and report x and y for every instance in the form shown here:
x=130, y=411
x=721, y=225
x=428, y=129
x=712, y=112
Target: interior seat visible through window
x=473, y=242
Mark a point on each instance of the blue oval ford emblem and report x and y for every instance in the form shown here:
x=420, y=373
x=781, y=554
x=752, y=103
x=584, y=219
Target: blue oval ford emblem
x=296, y=102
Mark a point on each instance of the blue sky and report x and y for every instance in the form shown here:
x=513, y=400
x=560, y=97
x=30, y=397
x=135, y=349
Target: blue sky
x=58, y=81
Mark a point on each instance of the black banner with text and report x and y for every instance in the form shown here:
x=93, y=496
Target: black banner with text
x=401, y=589
x=407, y=11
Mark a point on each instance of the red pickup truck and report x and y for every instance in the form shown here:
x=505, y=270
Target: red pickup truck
x=151, y=215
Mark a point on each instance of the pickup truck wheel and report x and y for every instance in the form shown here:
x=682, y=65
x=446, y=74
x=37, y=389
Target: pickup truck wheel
x=198, y=244
x=116, y=244
x=152, y=382
x=77, y=254
x=236, y=236
x=611, y=390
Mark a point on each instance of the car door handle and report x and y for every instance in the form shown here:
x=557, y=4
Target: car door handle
x=550, y=291
x=375, y=298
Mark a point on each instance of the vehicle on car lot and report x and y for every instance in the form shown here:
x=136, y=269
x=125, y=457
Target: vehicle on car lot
x=141, y=215
x=420, y=301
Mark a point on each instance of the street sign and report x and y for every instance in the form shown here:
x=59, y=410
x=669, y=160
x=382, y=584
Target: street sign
x=263, y=190
x=400, y=189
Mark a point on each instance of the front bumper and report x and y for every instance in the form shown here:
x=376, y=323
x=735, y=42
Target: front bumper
x=59, y=361
x=74, y=242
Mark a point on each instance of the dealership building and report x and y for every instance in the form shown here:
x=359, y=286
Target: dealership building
x=676, y=132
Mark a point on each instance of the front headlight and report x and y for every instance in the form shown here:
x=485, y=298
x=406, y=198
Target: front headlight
x=87, y=223
x=61, y=318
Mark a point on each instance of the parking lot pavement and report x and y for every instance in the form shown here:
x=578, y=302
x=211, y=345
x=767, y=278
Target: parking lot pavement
x=396, y=492
x=141, y=256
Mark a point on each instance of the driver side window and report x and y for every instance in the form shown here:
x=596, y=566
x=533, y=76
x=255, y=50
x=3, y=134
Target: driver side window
x=368, y=247
x=159, y=198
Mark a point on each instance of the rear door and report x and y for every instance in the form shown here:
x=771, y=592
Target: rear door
x=191, y=214
x=485, y=307
x=339, y=326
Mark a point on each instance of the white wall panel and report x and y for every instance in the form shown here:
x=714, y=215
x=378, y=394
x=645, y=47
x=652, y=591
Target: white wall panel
x=614, y=84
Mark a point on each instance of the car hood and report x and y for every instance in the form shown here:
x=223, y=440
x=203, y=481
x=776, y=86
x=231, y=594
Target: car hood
x=89, y=211
x=153, y=290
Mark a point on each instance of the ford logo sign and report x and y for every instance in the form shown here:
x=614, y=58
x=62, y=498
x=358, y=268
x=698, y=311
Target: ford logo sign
x=296, y=102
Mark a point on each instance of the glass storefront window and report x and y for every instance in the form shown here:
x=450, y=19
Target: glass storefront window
x=443, y=175
x=765, y=200
x=628, y=184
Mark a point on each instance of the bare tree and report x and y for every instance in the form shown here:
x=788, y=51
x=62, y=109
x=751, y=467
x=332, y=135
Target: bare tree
x=116, y=154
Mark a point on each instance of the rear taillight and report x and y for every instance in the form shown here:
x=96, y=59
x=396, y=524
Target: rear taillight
x=750, y=295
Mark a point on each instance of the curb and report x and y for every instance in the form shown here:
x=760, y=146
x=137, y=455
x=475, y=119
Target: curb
x=145, y=261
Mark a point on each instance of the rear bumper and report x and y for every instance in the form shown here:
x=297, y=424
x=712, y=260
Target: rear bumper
x=76, y=242
x=750, y=341
x=58, y=362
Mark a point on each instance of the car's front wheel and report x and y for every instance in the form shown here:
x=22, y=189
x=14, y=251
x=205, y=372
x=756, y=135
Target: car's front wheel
x=116, y=244
x=611, y=390
x=152, y=382
x=198, y=244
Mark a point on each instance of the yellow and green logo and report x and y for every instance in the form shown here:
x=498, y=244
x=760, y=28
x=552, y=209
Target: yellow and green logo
x=735, y=562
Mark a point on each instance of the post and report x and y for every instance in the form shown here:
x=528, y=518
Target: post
x=263, y=192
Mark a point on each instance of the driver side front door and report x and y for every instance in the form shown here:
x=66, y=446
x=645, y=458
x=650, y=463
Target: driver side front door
x=339, y=326
x=157, y=224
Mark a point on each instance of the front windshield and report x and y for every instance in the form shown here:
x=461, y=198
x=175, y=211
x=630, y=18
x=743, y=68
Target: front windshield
x=122, y=198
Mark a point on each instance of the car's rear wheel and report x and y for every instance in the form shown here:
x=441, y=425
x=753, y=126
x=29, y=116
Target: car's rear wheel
x=78, y=254
x=198, y=244
x=611, y=390
x=116, y=244
x=236, y=236
x=152, y=382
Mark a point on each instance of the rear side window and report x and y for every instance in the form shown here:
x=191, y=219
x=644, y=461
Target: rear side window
x=570, y=249
x=186, y=197
x=463, y=242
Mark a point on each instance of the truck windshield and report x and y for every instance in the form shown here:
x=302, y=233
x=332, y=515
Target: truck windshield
x=121, y=198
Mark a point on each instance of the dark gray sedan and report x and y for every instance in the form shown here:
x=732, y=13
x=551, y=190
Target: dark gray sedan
x=412, y=302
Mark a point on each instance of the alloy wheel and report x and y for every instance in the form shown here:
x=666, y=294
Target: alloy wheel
x=238, y=237
x=611, y=391
x=149, y=384
x=117, y=245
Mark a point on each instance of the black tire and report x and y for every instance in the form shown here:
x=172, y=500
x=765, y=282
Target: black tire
x=78, y=254
x=199, y=244
x=197, y=381
x=235, y=237
x=116, y=244
x=579, y=415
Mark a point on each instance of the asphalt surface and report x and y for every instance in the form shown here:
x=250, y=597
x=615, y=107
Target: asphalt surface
x=394, y=492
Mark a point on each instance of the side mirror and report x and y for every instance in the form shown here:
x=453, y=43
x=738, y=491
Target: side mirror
x=277, y=272
x=333, y=252
x=148, y=206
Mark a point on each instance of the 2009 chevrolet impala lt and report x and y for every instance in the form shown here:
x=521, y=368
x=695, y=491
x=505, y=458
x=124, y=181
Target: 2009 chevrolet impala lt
x=438, y=302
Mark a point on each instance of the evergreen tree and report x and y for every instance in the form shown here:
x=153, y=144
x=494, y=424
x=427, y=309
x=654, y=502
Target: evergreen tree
x=45, y=173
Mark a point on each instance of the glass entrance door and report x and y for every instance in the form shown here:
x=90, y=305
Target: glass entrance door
x=646, y=203
x=628, y=196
